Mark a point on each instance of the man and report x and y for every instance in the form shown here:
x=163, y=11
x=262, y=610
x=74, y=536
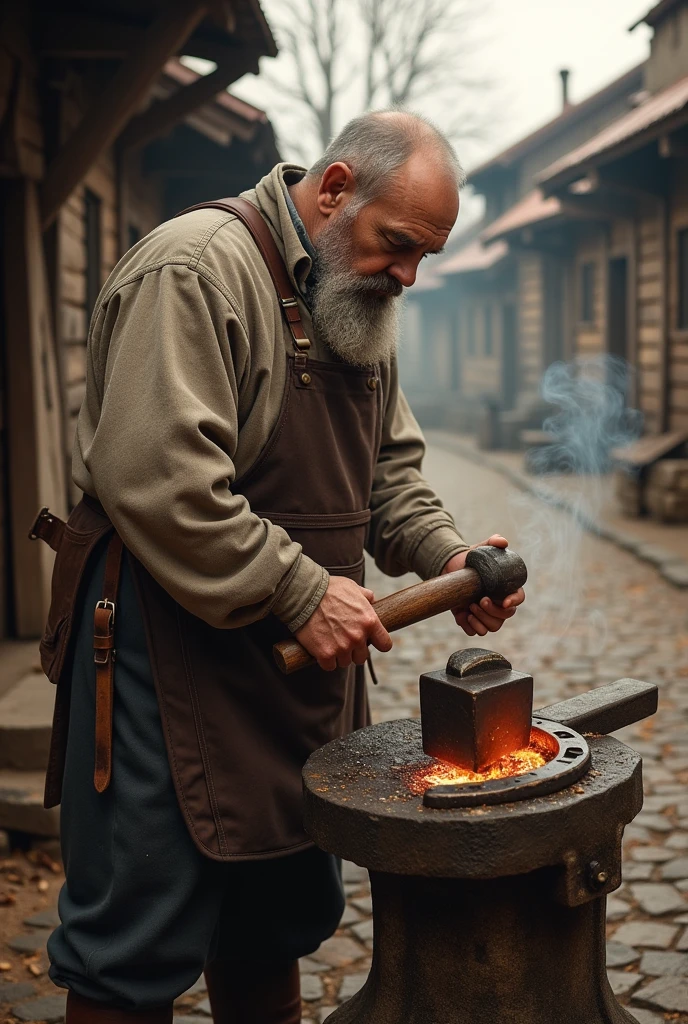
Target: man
x=246, y=448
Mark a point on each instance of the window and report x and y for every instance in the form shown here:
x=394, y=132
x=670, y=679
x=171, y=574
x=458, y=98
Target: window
x=587, y=293
x=683, y=279
x=489, y=344
x=93, y=248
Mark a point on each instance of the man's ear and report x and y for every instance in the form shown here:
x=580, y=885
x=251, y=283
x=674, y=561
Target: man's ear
x=336, y=183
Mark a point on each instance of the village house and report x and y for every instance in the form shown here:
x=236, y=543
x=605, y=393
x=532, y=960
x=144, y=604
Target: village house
x=583, y=250
x=633, y=261
x=104, y=133
x=487, y=320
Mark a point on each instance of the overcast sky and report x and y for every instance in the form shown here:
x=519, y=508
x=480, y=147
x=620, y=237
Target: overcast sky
x=524, y=43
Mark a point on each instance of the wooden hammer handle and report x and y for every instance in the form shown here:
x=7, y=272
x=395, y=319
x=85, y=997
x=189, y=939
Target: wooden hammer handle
x=453, y=590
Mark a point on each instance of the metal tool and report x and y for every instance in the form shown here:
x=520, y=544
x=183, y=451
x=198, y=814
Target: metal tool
x=490, y=572
x=477, y=710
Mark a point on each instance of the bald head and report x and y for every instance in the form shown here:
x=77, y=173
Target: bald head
x=377, y=145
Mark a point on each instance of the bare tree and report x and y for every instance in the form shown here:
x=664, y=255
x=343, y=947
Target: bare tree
x=353, y=55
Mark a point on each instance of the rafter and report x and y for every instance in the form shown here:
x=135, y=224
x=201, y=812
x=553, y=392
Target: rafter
x=126, y=90
x=164, y=114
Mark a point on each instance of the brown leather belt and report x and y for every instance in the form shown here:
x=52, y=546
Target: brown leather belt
x=50, y=528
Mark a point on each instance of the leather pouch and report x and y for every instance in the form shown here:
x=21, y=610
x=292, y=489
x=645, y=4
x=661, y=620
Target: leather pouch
x=82, y=532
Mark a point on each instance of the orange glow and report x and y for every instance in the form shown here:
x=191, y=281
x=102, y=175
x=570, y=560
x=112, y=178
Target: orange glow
x=441, y=773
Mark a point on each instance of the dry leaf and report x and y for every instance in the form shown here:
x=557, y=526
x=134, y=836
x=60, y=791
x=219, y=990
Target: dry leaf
x=48, y=862
x=42, y=885
x=5, y=965
x=15, y=879
x=7, y=899
x=36, y=970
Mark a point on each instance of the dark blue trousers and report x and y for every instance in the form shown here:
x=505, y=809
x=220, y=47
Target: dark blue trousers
x=142, y=910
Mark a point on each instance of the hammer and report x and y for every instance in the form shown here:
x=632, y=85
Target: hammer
x=489, y=572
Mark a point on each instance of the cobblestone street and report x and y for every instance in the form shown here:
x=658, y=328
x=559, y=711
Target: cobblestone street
x=622, y=620
x=594, y=613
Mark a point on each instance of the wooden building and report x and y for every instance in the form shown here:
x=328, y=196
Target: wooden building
x=103, y=134
x=583, y=250
x=505, y=302
x=630, y=266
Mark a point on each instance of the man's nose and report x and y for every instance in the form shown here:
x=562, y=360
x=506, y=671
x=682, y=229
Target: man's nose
x=404, y=273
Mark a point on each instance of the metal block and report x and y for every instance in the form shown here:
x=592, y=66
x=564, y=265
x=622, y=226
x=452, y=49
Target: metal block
x=476, y=711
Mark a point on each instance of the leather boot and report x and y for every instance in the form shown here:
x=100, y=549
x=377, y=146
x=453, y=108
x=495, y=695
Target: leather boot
x=88, y=1011
x=251, y=993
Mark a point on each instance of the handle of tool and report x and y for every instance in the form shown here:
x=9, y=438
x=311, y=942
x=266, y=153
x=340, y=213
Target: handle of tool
x=606, y=708
x=453, y=590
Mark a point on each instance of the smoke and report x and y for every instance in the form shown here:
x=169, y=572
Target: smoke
x=589, y=418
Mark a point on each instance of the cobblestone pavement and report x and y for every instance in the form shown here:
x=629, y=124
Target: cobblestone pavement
x=594, y=613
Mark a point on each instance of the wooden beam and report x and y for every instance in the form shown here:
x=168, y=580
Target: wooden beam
x=160, y=117
x=88, y=37
x=36, y=463
x=102, y=124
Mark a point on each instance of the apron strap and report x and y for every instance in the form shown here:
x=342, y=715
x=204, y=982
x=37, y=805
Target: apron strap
x=252, y=219
x=104, y=657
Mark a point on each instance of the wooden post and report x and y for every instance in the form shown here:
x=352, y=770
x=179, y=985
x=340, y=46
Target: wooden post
x=124, y=93
x=163, y=115
x=36, y=465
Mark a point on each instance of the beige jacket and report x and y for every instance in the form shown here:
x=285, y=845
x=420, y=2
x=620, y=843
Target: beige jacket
x=185, y=374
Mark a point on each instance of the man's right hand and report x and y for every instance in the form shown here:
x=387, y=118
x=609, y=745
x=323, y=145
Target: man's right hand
x=341, y=627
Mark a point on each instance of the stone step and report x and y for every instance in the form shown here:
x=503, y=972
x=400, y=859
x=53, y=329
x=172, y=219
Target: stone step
x=26, y=712
x=21, y=804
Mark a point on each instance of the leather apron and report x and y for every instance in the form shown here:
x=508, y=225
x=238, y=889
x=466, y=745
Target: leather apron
x=238, y=731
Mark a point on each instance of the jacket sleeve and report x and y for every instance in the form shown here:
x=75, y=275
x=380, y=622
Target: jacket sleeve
x=161, y=454
x=410, y=530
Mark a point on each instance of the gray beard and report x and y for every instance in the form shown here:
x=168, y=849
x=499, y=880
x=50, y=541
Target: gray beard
x=357, y=324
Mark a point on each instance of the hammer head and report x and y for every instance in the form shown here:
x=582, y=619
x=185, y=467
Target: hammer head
x=476, y=711
x=501, y=570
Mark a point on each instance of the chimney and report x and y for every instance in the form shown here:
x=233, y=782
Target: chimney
x=565, y=101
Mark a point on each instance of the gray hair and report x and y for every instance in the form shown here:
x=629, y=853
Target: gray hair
x=375, y=145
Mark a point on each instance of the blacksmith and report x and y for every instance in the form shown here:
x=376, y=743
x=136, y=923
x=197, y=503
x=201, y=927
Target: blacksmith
x=243, y=439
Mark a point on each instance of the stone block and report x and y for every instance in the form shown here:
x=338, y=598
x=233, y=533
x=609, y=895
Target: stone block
x=26, y=714
x=665, y=964
x=50, y=1009
x=623, y=982
x=338, y=952
x=651, y=934
x=676, y=869
x=351, y=984
x=664, y=994
x=14, y=992
x=21, y=804
x=311, y=987
x=29, y=943
x=657, y=898
x=620, y=955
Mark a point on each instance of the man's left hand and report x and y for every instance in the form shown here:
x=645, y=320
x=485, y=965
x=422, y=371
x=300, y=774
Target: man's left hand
x=488, y=616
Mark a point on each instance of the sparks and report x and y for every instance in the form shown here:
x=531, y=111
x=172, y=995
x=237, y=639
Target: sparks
x=441, y=773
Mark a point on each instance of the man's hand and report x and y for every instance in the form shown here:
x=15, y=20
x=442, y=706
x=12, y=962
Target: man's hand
x=486, y=617
x=341, y=627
